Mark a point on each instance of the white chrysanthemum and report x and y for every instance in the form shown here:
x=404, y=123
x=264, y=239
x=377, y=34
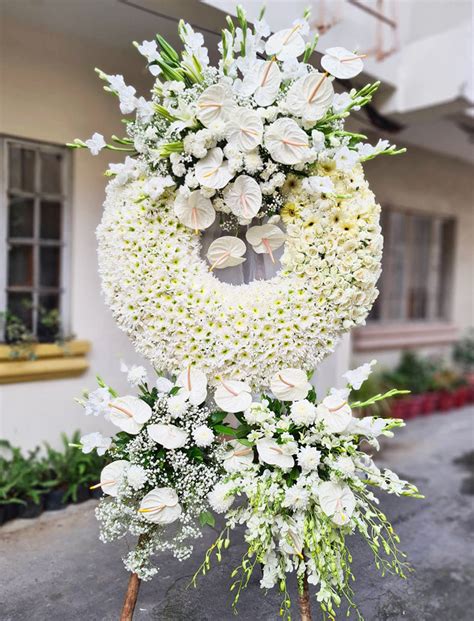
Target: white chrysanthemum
x=136, y=476
x=220, y=498
x=303, y=412
x=203, y=436
x=309, y=458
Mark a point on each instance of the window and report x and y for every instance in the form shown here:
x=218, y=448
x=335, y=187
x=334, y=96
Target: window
x=33, y=232
x=417, y=267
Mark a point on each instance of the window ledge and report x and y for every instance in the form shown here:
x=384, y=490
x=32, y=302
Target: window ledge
x=51, y=362
x=374, y=336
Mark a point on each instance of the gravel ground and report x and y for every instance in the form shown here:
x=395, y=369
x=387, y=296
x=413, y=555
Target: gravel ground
x=55, y=569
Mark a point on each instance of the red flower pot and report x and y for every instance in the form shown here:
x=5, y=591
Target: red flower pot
x=461, y=396
x=430, y=402
x=402, y=408
x=446, y=401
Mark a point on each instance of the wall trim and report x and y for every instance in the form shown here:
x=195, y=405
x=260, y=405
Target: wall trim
x=386, y=336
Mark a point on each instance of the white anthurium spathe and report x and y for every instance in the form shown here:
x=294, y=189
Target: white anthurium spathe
x=311, y=96
x=194, y=211
x=244, y=130
x=212, y=171
x=215, y=104
x=238, y=457
x=226, y=251
x=129, y=413
x=337, y=501
x=194, y=384
x=270, y=452
x=341, y=63
x=286, y=142
x=112, y=476
x=335, y=412
x=233, y=396
x=161, y=506
x=244, y=197
x=262, y=80
x=290, y=385
x=169, y=436
x=265, y=239
x=286, y=44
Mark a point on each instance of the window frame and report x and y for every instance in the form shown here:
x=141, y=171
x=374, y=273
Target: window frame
x=64, y=243
x=434, y=275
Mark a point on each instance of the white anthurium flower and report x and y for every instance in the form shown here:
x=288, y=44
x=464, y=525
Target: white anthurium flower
x=262, y=80
x=357, y=377
x=286, y=142
x=311, y=96
x=194, y=382
x=233, y=396
x=163, y=385
x=238, y=457
x=215, y=103
x=244, y=130
x=111, y=476
x=195, y=211
x=129, y=413
x=286, y=44
x=337, y=501
x=270, y=452
x=161, y=506
x=226, y=251
x=244, y=197
x=292, y=542
x=335, y=412
x=212, y=171
x=341, y=63
x=290, y=385
x=169, y=436
x=265, y=239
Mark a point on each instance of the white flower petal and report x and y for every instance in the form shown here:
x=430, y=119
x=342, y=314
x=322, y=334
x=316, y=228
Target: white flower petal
x=311, y=96
x=286, y=44
x=265, y=239
x=286, y=142
x=194, y=381
x=341, y=63
x=262, y=81
x=112, y=475
x=195, y=211
x=335, y=412
x=290, y=385
x=129, y=413
x=337, y=501
x=233, y=396
x=214, y=104
x=272, y=453
x=238, y=457
x=169, y=436
x=161, y=506
x=226, y=251
x=244, y=197
x=212, y=171
x=244, y=130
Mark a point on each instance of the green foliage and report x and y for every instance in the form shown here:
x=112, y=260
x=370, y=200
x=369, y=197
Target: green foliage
x=413, y=373
x=463, y=353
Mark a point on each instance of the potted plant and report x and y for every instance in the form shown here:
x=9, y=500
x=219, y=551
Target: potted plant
x=415, y=374
x=446, y=381
x=463, y=356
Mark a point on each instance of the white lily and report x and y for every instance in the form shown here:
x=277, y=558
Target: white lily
x=286, y=44
x=169, y=436
x=112, y=476
x=286, y=142
x=161, y=506
x=262, y=80
x=195, y=211
x=194, y=383
x=129, y=413
x=357, y=377
x=311, y=96
x=238, y=457
x=265, y=239
x=226, y=251
x=212, y=171
x=341, y=63
x=270, y=452
x=337, y=501
x=290, y=385
x=335, y=412
x=244, y=130
x=215, y=104
x=244, y=197
x=233, y=396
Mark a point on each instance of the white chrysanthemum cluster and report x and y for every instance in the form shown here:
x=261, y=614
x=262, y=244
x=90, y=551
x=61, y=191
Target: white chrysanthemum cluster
x=178, y=313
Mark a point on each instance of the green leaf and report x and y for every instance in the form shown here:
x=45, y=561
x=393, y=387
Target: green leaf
x=206, y=517
x=217, y=417
x=245, y=442
x=228, y=431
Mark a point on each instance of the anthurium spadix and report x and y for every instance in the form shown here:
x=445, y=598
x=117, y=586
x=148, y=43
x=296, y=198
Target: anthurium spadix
x=244, y=197
x=194, y=384
x=244, y=130
x=226, y=251
x=194, y=211
x=290, y=385
x=286, y=44
x=233, y=396
x=212, y=171
x=111, y=477
x=341, y=63
x=335, y=412
x=238, y=457
x=161, y=506
x=270, y=452
x=129, y=413
x=337, y=501
x=286, y=142
x=265, y=239
x=311, y=96
x=169, y=436
x=215, y=104
x=262, y=80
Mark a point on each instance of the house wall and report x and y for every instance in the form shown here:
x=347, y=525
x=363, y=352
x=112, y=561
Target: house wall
x=431, y=183
x=49, y=92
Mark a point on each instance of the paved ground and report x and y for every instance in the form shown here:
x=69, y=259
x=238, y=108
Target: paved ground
x=55, y=569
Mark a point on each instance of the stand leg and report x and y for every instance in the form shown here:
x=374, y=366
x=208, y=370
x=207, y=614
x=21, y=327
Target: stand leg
x=130, y=598
x=305, y=606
